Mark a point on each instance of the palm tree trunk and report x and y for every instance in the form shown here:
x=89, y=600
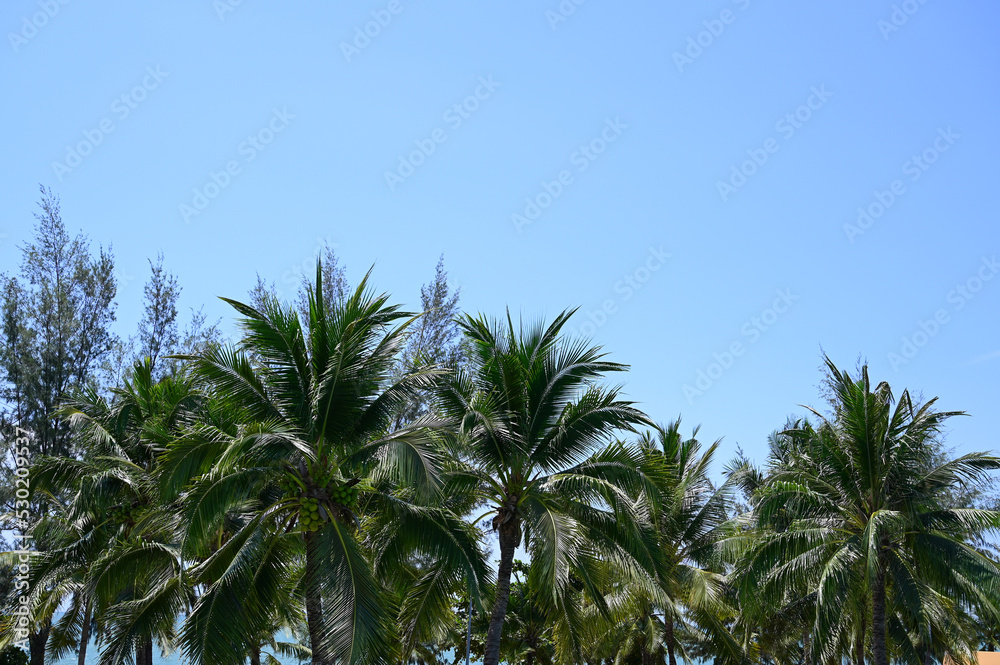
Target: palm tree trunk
x=509, y=533
x=144, y=653
x=85, y=633
x=314, y=602
x=255, y=656
x=879, y=654
x=36, y=643
x=669, y=638
x=859, y=645
x=647, y=658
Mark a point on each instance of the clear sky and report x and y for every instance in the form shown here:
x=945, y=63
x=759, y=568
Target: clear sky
x=689, y=174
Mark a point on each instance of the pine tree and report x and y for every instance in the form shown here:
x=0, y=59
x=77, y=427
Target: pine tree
x=335, y=285
x=158, y=329
x=56, y=326
x=56, y=331
x=435, y=338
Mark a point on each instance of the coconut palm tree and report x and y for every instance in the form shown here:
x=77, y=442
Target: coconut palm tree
x=528, y=636
x=532, y=417
x=54, y=580
x=689, y=516
x=303, y=457
x=118, y=552
x=855, y=509
x=776, y=628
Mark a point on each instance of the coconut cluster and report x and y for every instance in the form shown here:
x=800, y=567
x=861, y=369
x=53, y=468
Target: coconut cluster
x=333, y=499
x=345, y=495
x=127, y=513
x=288, y=486
x=311, y=514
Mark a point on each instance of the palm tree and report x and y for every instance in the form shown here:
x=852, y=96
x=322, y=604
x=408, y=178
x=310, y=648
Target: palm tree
x=855, y=509
x=689, y=517
x=118, y=553
x=777, y=628
x=77, y=540
x=54, y=580
x=631, y=632
x=531, y=417
x=528, y=637
x=304, y=455
x=424, y=588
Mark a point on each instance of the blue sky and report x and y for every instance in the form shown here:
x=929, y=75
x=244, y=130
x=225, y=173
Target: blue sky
x=689, y=174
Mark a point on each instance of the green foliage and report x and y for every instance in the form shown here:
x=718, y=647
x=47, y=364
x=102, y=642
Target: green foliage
x=158, y=329
x=114, y=557
x=688, y=596
x=56, y=318
x=530, y=417
x=56, y=327
x=310, y=411
x=328, y=475
x=13, y=656
x=858, y=514
x=159, y=337
x=436, y=339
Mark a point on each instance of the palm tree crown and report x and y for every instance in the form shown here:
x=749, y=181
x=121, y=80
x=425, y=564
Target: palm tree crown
x=532, y=416
x=304, y=455
x=854, y=508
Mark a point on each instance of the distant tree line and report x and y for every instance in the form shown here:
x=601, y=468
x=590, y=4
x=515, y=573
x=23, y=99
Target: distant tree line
x=325, y=488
